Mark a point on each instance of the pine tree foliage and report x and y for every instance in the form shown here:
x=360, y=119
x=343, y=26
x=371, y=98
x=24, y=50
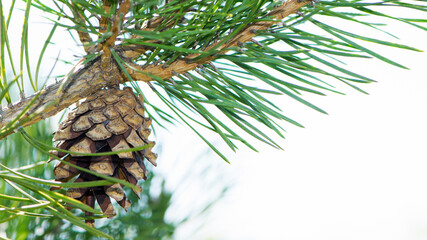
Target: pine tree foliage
x=145, y=220
x=212, y=64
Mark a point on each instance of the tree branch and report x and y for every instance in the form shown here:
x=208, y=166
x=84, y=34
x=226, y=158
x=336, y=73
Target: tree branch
x=159, y=23
x=84, y=37
x=115, y=28
x=97, y=74
x=51, y=100
x=142, y=73
x=103, y=23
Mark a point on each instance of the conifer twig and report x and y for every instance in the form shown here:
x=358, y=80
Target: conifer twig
x=94, y=75
x=142, y=73
x=84, y=37
x=115, y=29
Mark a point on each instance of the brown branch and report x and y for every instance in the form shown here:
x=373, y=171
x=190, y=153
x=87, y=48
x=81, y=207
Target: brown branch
x=115, y=29
x=84, y=37
x=133, y=51
x=103, y=23
x=51, y=100
x=97, y=74
x=142, y=73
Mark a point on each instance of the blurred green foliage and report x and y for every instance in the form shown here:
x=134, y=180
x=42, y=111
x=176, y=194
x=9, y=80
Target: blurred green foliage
x=16, y=152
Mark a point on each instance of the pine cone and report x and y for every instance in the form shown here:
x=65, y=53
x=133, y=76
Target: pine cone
x=109, y=120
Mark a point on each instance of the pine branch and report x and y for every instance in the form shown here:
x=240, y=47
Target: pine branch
x=54, y=98
x=142, y=73
x=115, y=28
x=103, y=23
x=84, y=37
x=157, y=23
x=102, y=72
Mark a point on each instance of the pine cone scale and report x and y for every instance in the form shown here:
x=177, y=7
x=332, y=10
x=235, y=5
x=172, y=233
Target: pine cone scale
x=117, y=126
x=110, y=112
x=103, y=165
x=97, y=116
x=122, y=108
x=134, y=140
x=85, y=145
x=134, y=120
x=66, y=133
x=115, y=191
x=83, y=123
x=104, y=202
x=99, y=132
